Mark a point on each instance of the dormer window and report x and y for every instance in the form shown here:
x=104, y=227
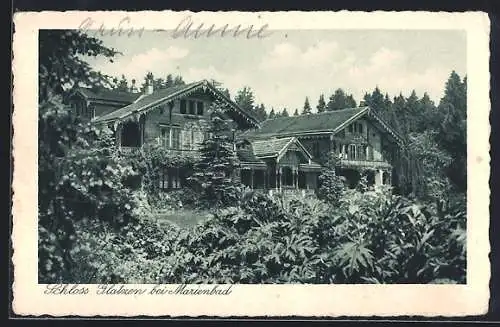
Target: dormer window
x=183, y=106
x=356, y=128
x=199, y=108
x=192, y=110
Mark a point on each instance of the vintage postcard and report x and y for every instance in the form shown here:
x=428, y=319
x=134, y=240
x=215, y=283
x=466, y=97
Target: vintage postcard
x=251, y=164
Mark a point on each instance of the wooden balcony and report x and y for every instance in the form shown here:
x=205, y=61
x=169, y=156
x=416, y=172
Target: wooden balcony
x=173, y=152
x=347, y=163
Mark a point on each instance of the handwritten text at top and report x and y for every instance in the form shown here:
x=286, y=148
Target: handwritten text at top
x=186, y=29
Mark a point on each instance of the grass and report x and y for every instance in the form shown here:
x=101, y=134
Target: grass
x=182, y=217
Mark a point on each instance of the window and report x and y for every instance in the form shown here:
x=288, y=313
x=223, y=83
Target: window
x=351, y=154
x=170, y=179
x=188, y=139
x=192, y=108
x=165, y=137
x=369, y=153
x=183, y=106
x=170, y=137
x=199, y=108
x=175, y=136
x=356, y=128
x=361, y=152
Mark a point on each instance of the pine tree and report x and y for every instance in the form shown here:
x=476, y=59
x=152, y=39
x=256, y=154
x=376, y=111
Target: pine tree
x=261, y=112
x=340, y=100
x=426, y=114
x=272, y=114
x=296, y=113
x=411, y=112
x=452, y=128
x=350, y=102
x=321, y=107
x=213, y=175
x=375, y=100
x=307, y=107
x=284, y=113
x=245, y=99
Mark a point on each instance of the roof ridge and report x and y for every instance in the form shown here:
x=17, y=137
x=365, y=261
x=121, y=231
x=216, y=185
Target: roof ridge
x=318, y=113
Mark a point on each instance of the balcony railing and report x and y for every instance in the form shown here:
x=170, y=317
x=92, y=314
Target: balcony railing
x=174, y=152
x=348, y=163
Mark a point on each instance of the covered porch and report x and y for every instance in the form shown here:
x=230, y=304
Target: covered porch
x=282, y=164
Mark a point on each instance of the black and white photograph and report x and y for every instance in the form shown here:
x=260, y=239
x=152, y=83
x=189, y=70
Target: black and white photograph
x=234, y=154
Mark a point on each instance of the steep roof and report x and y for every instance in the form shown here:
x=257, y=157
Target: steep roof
x=108, y=95
x=271, y=147
x=274, y=147
x=149, y=101
x=325, y=122
x=320, y=122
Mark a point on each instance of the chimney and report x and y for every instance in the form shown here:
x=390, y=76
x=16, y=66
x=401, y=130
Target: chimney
x=362, y=103
x=149, y=87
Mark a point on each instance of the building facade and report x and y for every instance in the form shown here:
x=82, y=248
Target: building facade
x=276, y=154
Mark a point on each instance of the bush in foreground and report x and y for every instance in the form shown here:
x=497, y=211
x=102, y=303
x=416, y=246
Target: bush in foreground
x=370, y=237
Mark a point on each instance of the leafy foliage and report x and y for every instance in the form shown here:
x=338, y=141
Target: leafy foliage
x=61, y=65
x=369, y=237
x=331, y=185
x=79, y=179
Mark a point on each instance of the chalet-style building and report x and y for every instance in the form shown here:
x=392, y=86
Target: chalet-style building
x=360, y=140
x=278, y=154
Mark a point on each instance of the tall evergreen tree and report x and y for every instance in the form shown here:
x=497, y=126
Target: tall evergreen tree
x=375, y=100
x=452, y=130
x=285, y=113
x=261, y=112
x=296, y=113
x=340, y=100
x=321, y=107
x=245, y=99
x=213, y=175
x=272, y=114
x=307, y=107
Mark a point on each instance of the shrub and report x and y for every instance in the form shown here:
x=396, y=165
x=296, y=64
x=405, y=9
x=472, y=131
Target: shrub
x=79, y=178
x=330, y=186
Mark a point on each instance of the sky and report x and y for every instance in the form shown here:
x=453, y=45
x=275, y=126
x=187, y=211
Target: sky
x=288, y=66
